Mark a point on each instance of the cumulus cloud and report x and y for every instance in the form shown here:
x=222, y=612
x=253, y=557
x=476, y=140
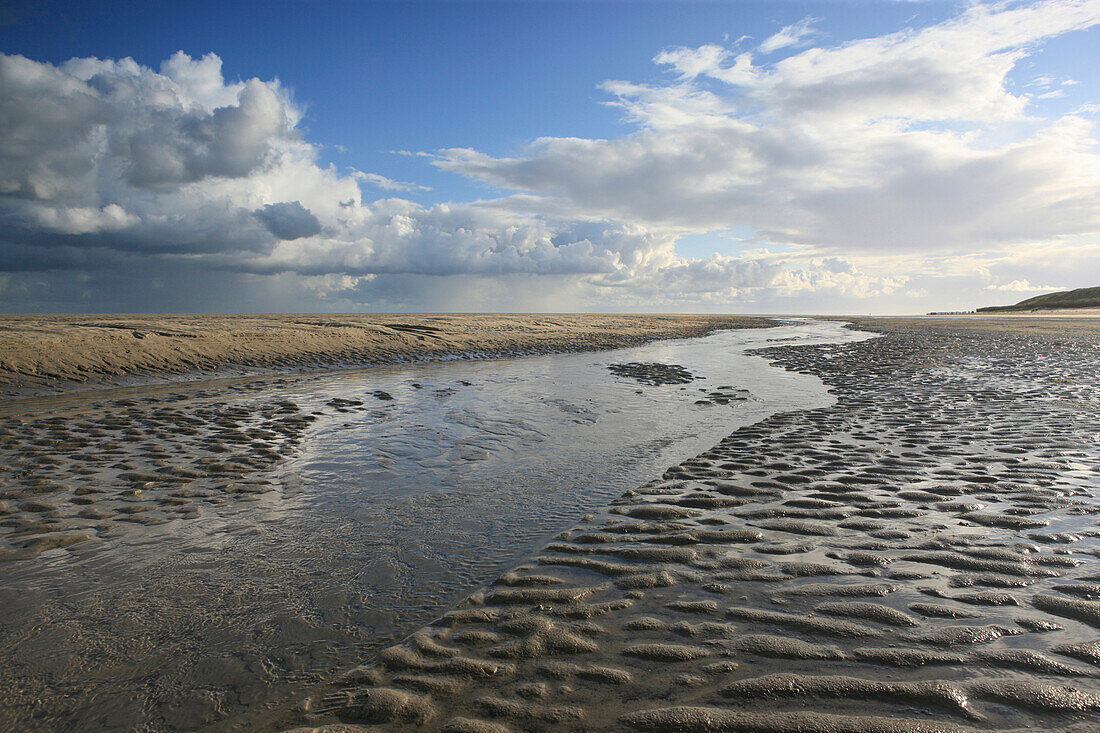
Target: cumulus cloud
x=108, y=156
x=157, y=130
x=880, y=144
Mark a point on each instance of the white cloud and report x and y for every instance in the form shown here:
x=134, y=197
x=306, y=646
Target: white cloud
x=178, y=165
x=1022, y=286
x=83, y=219
x=388, y=184
x=108, y=156
x=791, y=35
x=875, y=145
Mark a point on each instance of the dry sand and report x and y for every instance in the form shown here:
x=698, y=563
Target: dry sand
x=60, y=350
x=920, y=557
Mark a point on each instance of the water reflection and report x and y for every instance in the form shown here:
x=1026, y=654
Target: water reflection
x=390, y=511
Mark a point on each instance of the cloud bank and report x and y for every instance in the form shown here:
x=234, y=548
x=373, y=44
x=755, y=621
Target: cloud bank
x=836, y=148
x=869, y=170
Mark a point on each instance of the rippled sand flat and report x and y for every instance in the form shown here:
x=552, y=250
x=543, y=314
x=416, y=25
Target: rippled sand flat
x=51, y=351
x=922, y=556
x=191, y=555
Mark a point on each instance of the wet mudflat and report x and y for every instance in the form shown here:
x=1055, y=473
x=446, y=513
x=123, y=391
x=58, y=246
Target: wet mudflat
x=920, y=556
x=202, y=556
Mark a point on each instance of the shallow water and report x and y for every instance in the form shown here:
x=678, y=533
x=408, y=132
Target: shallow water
x=382, y=515
x=919, y=556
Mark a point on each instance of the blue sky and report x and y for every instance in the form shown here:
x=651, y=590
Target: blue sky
x=478, y=215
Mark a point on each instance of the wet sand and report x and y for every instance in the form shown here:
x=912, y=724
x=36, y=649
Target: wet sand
x=922, y=556
x=52, y=352
x=187, y=556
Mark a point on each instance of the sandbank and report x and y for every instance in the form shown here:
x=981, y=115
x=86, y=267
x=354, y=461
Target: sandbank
x=61, y=351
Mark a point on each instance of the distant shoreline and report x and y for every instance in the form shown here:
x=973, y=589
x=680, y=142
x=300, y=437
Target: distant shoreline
x=47, y=354
x=1037, y=313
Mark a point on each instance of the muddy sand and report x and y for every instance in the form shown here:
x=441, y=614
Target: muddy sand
x=65, y=350
x=922, y=556
x=176, y=556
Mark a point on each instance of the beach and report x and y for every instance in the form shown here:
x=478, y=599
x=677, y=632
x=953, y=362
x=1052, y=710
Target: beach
x=187, y=552
x=921, y=556
x=914, y=550
x=536, y=367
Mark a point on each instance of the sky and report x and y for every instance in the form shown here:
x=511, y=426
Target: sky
x=536, y=155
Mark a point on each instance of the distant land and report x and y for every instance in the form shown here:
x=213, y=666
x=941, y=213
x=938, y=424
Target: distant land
x=1079, y=298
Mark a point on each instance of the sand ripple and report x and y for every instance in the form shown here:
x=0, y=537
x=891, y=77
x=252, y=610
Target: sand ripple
x=921, y=557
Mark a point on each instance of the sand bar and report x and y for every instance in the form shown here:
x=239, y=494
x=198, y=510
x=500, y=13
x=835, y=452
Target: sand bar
x=64, y=350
